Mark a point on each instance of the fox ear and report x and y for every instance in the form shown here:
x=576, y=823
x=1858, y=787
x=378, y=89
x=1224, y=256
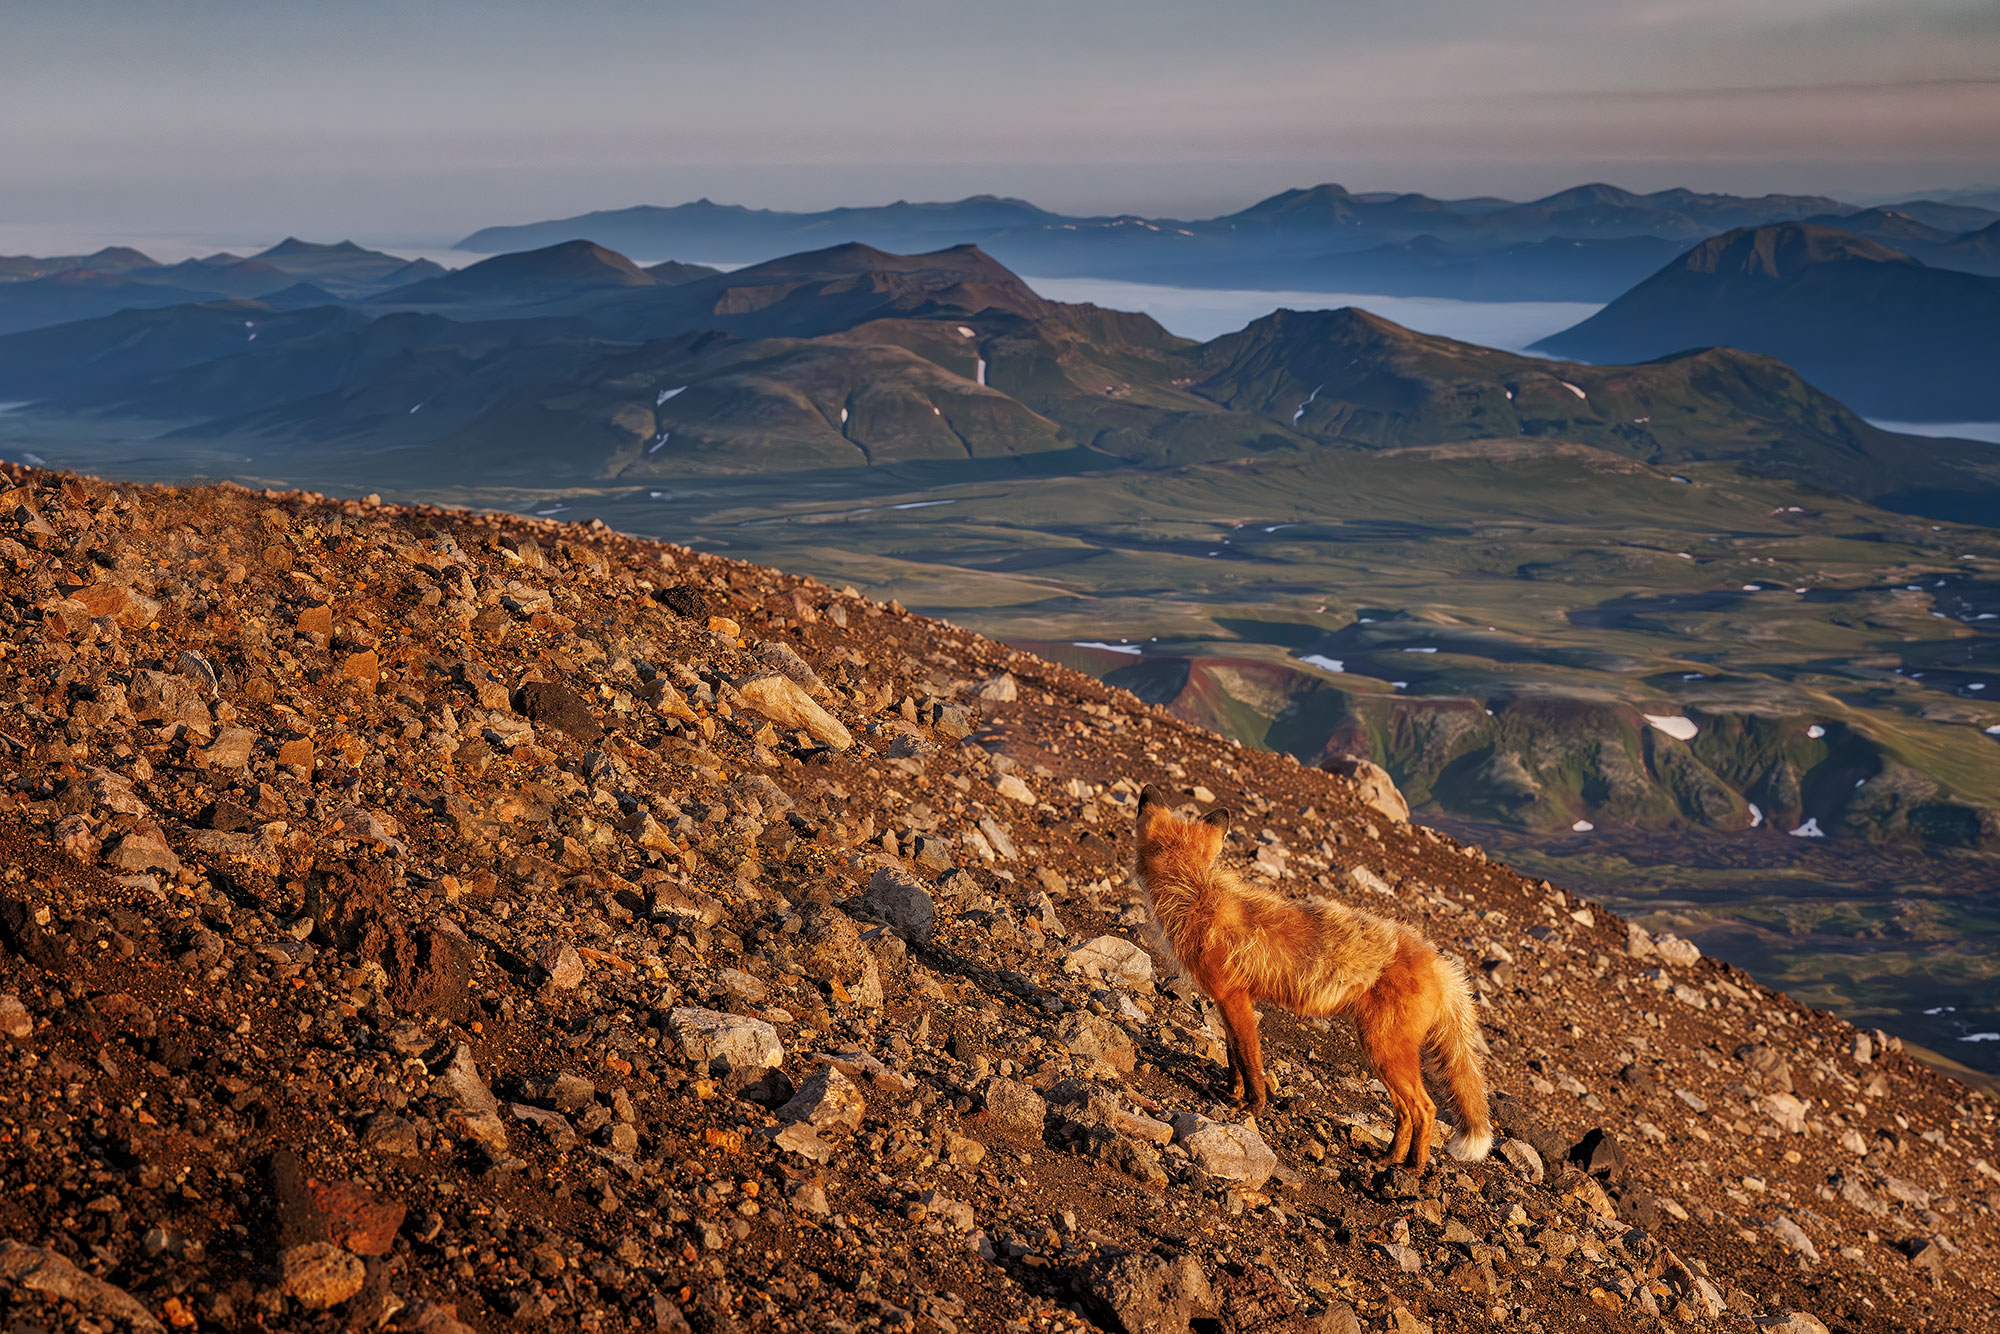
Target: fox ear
x=1219, y=817
x=1150, y=796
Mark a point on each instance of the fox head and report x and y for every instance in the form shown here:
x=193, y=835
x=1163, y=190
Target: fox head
x=1164, y=835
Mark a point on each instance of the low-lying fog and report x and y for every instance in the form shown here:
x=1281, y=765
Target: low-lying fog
x=1207, y=312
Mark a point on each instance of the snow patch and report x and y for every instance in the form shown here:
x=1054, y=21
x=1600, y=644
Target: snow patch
x=1756, y=816
x=1327, y=664
x=1134, y=649
x=658, y=444
x=967, y=331
x=921, y=504
x=1981, y=1037
x=1810, y=829
x=1574, y=390
x=666, y=394
x=1308, y=403
x=1582, y=827
x=1674, y=725
x=1419, y=650
x=1815, y=731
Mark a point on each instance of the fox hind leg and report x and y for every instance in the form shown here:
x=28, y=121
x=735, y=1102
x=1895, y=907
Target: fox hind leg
x=1240, y=1020
x=1398, y=1059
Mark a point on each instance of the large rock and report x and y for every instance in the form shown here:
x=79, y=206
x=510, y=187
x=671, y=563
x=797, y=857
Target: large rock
x=1791, y=1322
x=829, y=948
x=1088, y=1104
x=556, y=707
x=1787, y=1111
x=477, y=1110
x=231, y=749
x=1110, y=959
x=49, y=1273
x=15, y=1021
x=171, y=700
x=559, y=959
x=782, y=658
x=1089, y=1035
x=144, y=849
x=745, y=1043
x=1001, y=689
x=1794, y=1239
x=1011, y=787
x=1376, y=789
x=894, y=897
x=1139, y=1293
x=353, y=907
x=786, y=703
x=1677, y=951
x=1525, y=1158
x=1013, y=1108
x=319, y=1275
x=828, y=1100
x=1231, y=1152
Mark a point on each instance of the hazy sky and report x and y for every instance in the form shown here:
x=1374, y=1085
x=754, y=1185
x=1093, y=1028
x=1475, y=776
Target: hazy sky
x=418, y=121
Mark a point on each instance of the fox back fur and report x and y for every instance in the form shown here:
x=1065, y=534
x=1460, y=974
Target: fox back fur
x=1242, y=944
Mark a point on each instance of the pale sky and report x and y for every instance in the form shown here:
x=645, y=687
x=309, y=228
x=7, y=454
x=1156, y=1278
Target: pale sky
x=416, y=122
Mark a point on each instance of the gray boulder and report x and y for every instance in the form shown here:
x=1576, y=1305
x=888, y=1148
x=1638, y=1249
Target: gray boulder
x=894, y=898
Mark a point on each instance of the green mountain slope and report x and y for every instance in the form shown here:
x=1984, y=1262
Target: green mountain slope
x=573, y=362
x=1887, y=334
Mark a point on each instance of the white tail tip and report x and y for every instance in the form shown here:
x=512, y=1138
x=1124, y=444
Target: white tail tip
x=1469, y=1148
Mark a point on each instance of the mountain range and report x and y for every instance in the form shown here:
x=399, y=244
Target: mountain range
x=853, y=356
x=1894, y=336
x=1587, y=243
x=38, y=292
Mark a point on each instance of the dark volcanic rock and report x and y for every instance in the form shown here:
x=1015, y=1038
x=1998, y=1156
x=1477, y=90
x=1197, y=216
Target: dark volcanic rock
x=21, y=933
x=684, y=600
x=429, y=966
x=547, y=704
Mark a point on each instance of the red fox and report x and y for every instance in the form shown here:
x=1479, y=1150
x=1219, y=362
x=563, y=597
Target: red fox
x=1241, y=944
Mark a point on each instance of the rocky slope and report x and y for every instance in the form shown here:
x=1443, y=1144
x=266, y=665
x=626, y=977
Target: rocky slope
x=422, y=920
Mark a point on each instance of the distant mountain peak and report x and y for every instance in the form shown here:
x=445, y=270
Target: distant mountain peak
x=1782, y=250
x=293, y=246
x=1301, y=199
x=1595, y=192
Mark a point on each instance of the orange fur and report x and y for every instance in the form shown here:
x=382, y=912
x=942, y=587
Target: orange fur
x=1242, y=944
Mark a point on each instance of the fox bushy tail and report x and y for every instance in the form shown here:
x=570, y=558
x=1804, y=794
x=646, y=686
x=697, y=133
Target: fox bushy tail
x=1459, y=1046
